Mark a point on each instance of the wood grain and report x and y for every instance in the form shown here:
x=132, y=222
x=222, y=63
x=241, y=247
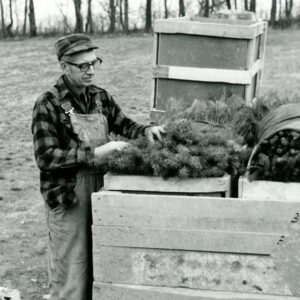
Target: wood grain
x=192, y=212
x=195, y=240
x=191, y=269
x=269, y=190
x=104, y=291
x=239, y=30
x=168, y=185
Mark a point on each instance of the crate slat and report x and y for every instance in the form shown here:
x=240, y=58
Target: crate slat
x=203, y=74
x=191, y=269
x=269, y=190
x=171, y=185
x=186, y=212
x=195, y=240
x=104, y=291
x=210, y=27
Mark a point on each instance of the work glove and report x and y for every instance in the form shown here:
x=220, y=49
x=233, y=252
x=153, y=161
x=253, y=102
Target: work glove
x=102, y=152
x=155, y=133
x=106, y=149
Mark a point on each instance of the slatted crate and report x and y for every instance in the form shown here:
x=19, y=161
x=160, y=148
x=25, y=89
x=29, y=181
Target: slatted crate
x=219, y=187
x=152, y=242
x=268, y=190
x=205, y=58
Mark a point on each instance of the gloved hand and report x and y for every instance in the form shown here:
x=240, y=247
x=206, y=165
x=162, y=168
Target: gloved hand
x=102, y=151
x=155, y=132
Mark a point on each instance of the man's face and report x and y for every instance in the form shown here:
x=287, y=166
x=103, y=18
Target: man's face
x=78, y=78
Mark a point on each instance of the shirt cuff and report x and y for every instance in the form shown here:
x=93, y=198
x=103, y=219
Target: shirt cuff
x=84, y=154
x=146, y=129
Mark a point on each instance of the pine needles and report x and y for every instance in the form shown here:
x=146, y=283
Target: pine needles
x=210, y=152
x=207, y=139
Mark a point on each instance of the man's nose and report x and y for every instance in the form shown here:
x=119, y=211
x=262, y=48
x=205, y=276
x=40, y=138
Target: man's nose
x=91, y=70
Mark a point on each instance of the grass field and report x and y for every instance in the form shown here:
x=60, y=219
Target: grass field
x=27, y=68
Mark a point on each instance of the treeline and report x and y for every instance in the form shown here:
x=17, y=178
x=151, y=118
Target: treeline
x=115, y=16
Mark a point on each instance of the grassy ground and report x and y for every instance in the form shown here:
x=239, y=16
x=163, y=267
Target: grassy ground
x=27, y=69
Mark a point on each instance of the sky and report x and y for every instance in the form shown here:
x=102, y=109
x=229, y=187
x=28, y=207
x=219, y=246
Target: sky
x=49, y=7
x=48, y=11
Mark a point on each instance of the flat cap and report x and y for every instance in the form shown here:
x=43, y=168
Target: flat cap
x=73, y=43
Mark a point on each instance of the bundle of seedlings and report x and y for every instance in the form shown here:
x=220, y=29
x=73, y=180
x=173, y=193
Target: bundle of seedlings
x=206, y=148
x=276, y=156
x=247, y=120
x=271, y=128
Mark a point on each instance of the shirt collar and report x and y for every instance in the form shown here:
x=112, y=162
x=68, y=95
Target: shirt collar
x=74, y=91
x=64, y=87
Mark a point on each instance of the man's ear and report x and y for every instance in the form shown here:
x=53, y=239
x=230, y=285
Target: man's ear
x=64, y=67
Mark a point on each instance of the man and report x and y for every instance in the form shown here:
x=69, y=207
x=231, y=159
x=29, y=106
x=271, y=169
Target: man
x=71, y=122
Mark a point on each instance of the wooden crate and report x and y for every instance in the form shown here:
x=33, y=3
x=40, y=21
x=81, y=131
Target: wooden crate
x=268, y=190
x=205, y=58
x=170, y=245
x=9, y=294
x=219, y=187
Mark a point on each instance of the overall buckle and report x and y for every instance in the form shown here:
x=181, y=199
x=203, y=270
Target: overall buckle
x=67, y=107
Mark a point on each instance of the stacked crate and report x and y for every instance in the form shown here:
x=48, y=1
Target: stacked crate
x=203, y=58
x=157, y=239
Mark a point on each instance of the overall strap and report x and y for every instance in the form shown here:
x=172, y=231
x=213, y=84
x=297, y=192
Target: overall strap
x=66, y=105
x=98, y=102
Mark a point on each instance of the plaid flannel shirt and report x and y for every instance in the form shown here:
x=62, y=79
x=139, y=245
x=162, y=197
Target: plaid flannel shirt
x=57, y=149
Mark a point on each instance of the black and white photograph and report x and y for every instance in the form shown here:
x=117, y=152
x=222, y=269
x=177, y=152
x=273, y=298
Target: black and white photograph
x=150, y=149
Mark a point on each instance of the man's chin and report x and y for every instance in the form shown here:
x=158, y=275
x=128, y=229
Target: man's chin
x=88, y=82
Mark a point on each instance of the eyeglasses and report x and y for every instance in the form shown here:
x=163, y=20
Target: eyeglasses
x=84, y=67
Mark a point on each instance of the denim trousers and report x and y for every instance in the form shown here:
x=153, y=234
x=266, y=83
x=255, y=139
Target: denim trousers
x=70, y=263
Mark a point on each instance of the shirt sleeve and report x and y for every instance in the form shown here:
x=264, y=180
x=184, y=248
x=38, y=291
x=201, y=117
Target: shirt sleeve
x=49, y=154
x=123, y=125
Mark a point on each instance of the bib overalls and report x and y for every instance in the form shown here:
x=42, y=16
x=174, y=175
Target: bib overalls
x=69, y=228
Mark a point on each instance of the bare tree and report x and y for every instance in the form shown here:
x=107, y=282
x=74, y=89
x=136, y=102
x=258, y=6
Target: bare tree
x=181, y=8
x=201, y=8
x=89, y=26
x=25, y=17
x=253, y=5
x=148, y=15
x=16, y=17
x=112, y=16
x=9, y=26
x=104, y=17
x=126, y=28
x=3, y=28
x=166, y=9
x=206, y=8
x=121, y=21
x=280, y=10
x=31, y=16
x=66, y=25
x=288, y=9
x=79, y=22
x=228, y=3
x=273, y=13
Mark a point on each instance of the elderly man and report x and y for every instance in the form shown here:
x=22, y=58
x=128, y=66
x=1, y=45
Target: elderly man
x=71, y=122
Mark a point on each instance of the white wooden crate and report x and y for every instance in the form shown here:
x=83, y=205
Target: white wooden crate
x=268, y=190
x=159, y=246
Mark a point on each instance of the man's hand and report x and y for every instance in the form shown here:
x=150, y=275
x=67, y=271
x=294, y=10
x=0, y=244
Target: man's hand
x=108, y=148
x=155, y=132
